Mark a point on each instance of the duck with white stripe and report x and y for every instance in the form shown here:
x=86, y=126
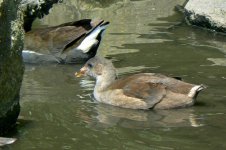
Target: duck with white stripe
x=72, y=42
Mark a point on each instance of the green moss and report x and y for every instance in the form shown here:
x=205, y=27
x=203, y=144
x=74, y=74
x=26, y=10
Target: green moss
x=11, y=65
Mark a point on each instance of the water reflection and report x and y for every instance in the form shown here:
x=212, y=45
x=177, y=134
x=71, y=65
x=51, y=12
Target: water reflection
x=218, y=61
x=42, y=82
x=218, y=43
x=106, y=116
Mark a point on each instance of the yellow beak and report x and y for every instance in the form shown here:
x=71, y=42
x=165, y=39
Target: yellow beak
x=81, y=73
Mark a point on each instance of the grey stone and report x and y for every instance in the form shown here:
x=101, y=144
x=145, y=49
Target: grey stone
x=35, y=8
x=210, y=14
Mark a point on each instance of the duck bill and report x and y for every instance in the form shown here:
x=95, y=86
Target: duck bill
x=81, y=73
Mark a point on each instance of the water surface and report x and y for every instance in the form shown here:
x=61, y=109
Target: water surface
x=58, y=110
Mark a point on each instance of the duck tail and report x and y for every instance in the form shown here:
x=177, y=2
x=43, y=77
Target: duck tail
x=93, y=38
x=195, y=90
x=6, y=141
x=98, y=28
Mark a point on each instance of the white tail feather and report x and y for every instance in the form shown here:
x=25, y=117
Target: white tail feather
x=195, y=90
x=91, y=40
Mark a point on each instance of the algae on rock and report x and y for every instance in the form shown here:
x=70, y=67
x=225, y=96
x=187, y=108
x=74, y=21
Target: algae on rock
x=11, y=65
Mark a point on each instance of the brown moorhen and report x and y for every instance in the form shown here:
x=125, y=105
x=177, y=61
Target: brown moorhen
x=139, y=91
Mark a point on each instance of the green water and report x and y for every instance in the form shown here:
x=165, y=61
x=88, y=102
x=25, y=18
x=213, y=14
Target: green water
x=58, y=110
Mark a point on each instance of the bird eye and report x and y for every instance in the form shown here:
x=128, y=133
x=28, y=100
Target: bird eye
x=90, y=65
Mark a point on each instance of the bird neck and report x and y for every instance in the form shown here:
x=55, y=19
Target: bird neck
x=105, y=80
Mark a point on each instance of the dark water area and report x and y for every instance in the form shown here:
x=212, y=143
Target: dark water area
x=58, y=110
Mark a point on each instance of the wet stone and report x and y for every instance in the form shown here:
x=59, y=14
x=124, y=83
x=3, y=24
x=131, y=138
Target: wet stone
x=207, y=14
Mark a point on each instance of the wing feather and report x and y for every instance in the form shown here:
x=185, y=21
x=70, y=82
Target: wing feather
x=143, y=87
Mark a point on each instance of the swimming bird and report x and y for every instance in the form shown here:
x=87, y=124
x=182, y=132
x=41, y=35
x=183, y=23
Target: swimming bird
x=138, y=91
x=72, y=42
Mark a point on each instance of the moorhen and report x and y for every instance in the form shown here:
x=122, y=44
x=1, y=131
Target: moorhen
x=138, y=91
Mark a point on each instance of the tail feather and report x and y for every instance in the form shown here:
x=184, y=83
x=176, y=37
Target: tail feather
x=195, y=90
x=201, y=87
x=93, y=38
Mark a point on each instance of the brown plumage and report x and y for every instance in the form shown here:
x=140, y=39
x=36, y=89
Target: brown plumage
x=139, y=91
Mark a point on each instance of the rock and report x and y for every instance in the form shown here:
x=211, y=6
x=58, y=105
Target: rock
x=35, y=8
x=210, y=14
x=15, y=16
x=11, y=64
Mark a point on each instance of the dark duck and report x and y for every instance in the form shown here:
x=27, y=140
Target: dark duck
x=72, y=42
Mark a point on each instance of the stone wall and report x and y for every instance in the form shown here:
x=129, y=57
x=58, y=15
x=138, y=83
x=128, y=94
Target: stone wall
x=11, y=66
